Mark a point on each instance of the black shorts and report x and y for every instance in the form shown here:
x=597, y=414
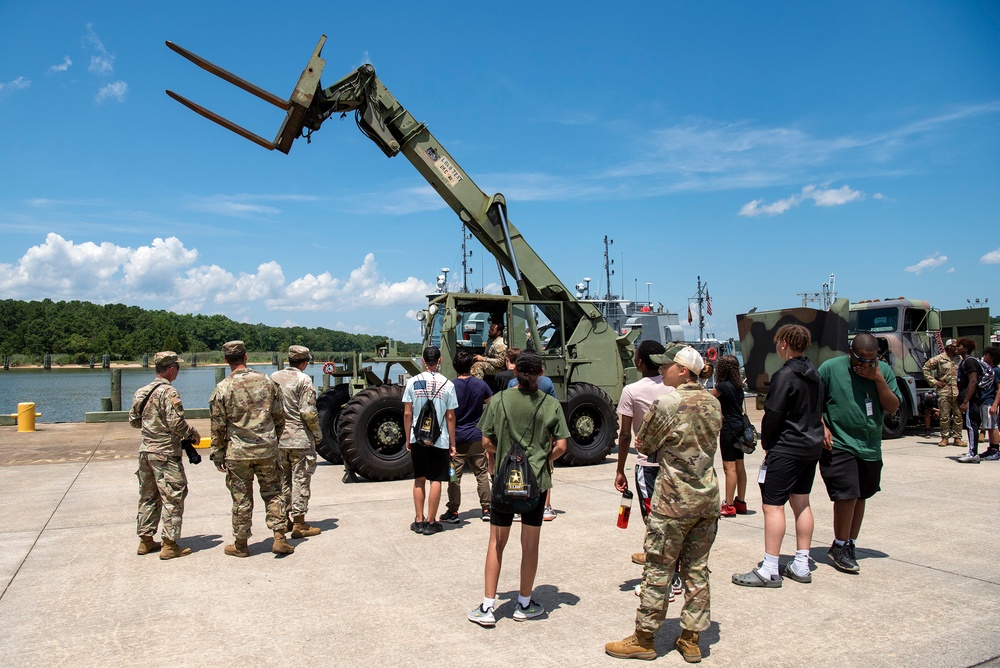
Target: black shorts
x=848, y=477
x=786, y=476
x=729, y=453
x=431, y=463
x=645, y=481
x=533, y=518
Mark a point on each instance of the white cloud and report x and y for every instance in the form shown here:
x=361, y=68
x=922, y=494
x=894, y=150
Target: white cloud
x=63, y=66
x=102, y=63
x=821, y=196
x=951, y=270
x=879, y=196
x=115, y=90
x=167, y=271
x=993, y=257
x=932, y=262
x=8, y=87
x=245, y=205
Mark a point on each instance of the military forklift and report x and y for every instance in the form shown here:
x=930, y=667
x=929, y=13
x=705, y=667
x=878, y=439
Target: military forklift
x=588, y=360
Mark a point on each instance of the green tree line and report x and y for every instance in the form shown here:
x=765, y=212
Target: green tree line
x=80, y=329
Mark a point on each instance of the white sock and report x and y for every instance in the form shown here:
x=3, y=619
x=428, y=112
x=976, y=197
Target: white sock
x=839, y=543
x=770, y=565
x=524, y=601
x=801, y=564
x=488, y=603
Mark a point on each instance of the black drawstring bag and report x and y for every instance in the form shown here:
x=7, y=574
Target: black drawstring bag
x=515, y=486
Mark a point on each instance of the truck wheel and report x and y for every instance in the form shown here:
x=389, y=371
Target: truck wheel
x=894, y=424
x=593, y=425
x=329, y=405
x=372, y=441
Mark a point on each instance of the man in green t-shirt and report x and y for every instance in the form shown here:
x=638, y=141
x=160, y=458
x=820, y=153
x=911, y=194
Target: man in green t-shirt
x=859, y=390
x=537, y=421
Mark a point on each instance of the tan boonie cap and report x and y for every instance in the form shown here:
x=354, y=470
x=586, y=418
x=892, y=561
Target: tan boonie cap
x=166, y=358
x=231, y=348
x=298, y=353
x=686, y=356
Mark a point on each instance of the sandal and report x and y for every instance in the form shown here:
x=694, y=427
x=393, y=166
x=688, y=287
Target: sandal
x=755, y=579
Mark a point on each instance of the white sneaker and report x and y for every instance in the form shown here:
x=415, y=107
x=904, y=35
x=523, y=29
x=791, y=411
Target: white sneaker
x=969, y=459
x=533, y=610
x=676, y=588
x=548, y=514
x=483, y=617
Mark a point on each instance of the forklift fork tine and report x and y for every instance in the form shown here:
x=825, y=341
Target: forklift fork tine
x=229, y=125
x=230, y=77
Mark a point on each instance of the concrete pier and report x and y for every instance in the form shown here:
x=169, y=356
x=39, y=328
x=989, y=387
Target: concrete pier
x=368, y=591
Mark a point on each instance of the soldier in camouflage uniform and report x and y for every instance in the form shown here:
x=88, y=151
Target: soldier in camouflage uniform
x=494, y=358
x=247, y=421
x=157, y=410
x=680, y=431
x=297, y=447
x=941, y=372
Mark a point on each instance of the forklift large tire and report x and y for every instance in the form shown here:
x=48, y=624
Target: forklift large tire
x=372, y=441
x=894, y=424
x=593, y=425
x=329, y=405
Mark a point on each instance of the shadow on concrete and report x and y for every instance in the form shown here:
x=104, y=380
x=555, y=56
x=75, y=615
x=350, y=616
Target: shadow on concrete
x=200, y=542
x=629, y=585
x=329, y=524
x=548, y=595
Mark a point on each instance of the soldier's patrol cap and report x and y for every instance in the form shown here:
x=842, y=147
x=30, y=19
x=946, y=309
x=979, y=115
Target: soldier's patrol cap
x=686, y=356
x=166, y=358
x=231, y=348
x=950, y=342
x=298, y=354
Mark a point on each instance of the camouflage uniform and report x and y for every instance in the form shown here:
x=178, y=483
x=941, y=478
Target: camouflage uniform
x=944, y=367
x=681, y=432
x=162, y=483
x=247, y=421
x=297, y=447
x=496, y=358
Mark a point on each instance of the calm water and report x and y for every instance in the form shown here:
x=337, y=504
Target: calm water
x=64, y=395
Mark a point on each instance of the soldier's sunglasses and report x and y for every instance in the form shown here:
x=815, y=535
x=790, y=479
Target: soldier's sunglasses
x=863, y=361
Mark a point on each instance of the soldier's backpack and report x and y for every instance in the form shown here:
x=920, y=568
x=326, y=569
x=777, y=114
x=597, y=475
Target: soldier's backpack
x=428, y=429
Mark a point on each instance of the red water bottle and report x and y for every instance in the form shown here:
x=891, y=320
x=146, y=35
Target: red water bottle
x=625, y=509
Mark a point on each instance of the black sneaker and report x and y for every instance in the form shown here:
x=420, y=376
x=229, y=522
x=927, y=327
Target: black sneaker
x=418, y=527
x=431, y=528
x=991, y=455
x=450, y=517
x=843, y=557
x=486, y=515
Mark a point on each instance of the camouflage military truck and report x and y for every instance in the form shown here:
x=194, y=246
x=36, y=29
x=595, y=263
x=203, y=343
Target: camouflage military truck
x=909, y=332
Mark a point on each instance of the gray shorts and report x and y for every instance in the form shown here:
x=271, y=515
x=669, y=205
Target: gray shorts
x=988, y=421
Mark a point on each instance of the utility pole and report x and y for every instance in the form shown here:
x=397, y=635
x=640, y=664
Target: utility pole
x=466, y=254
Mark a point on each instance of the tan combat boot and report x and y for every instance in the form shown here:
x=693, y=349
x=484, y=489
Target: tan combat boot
x=147, y=545
x=687, y=644
x=943, y=442
x=639, y=558
x=281, y=545
x=639, y=645
x=238, y=548
x=301, y=529
x=171, y=550
x=959, y=443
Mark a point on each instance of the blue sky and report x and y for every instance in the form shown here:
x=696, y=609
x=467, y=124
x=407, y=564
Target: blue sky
x=759, y=145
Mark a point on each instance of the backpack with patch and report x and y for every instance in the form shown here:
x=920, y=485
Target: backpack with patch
x=428, y=429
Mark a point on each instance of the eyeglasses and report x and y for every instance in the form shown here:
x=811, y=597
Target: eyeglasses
x=863, y=361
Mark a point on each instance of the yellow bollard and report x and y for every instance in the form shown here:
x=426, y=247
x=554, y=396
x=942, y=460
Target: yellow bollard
x=205, y=442
x=26, y=416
